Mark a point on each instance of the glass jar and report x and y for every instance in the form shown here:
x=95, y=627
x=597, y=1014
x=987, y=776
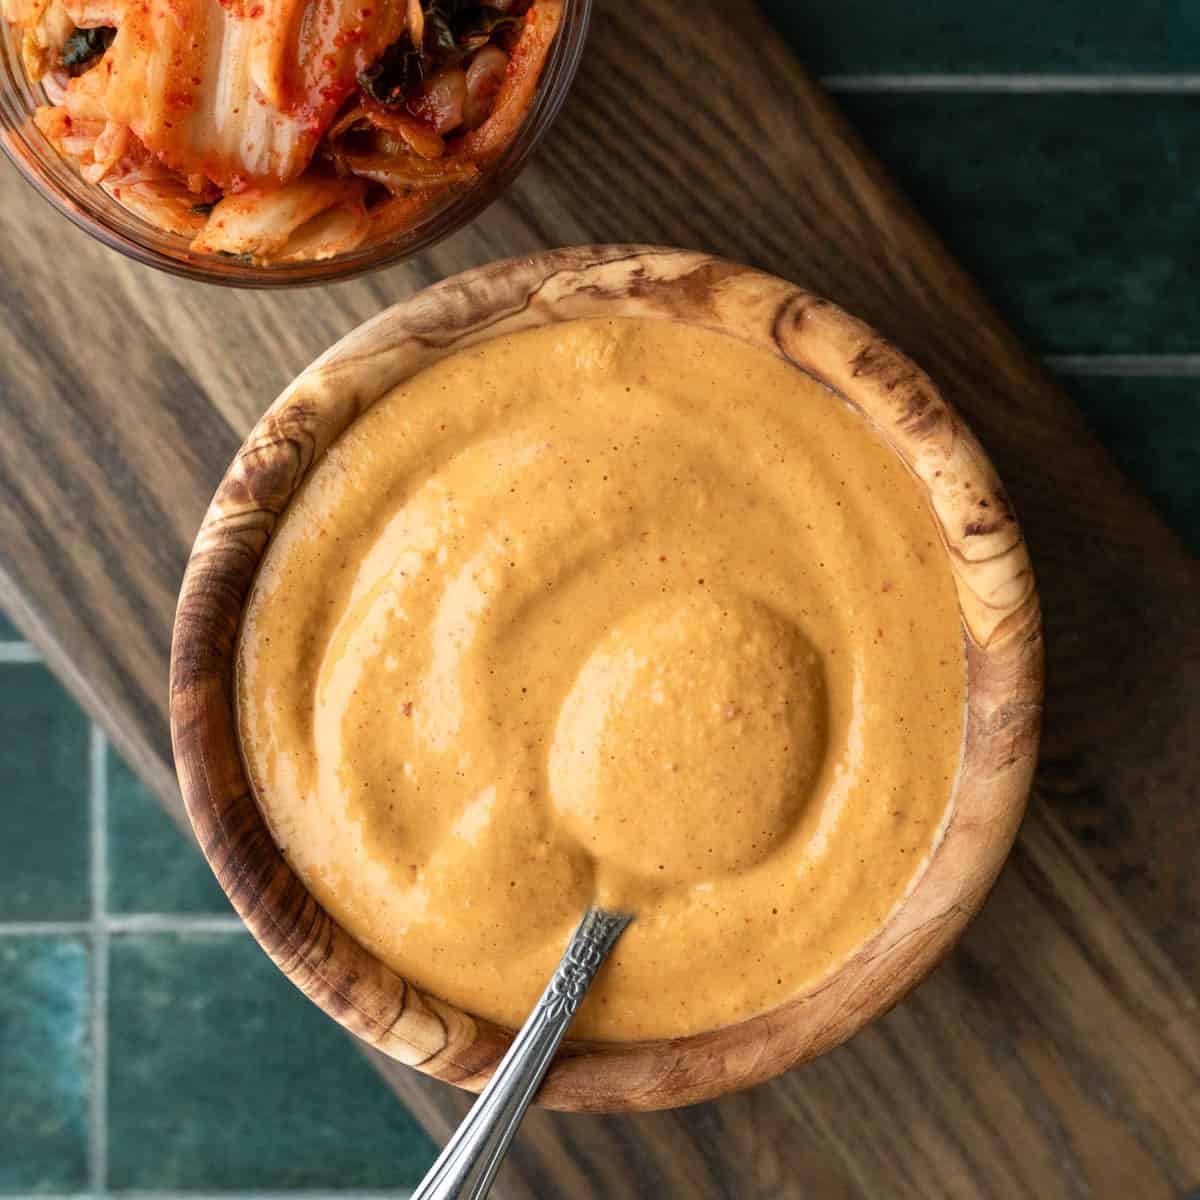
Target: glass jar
x=93, y=210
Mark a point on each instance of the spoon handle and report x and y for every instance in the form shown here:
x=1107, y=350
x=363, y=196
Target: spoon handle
x=466, y=1167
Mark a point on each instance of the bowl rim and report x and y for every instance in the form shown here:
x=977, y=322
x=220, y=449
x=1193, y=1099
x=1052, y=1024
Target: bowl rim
x=89, y=208
x=997, y=601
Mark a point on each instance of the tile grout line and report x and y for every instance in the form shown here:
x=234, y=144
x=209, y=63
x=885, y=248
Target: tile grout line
x=127, y=923
x=160, y=923
x=1024, y=83
x=19, y=652
x=299, y=1194
x=18, y=929
x=1142, y=365
x=98, y=813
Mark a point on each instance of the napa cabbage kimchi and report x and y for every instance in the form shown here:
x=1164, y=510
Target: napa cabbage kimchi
x=283, y=130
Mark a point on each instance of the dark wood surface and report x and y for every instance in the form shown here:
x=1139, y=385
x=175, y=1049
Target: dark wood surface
x=1057, y=1052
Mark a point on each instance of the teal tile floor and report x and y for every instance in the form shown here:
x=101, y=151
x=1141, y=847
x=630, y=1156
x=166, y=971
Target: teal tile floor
x=309, y=1113
x=45, y=1063
x=147, y=1046
x=1075, y=213
x=991, y=37
x=43, y=762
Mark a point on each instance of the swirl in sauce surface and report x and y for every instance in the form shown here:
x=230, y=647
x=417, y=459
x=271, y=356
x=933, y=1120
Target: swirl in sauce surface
x=620, y=610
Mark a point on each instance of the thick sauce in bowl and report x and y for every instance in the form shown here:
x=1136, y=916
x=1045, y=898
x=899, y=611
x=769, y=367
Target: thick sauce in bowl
x=620, y=610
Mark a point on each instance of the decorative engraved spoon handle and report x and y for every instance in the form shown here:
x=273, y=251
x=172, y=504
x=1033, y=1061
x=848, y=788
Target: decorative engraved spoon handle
x=466, y=1167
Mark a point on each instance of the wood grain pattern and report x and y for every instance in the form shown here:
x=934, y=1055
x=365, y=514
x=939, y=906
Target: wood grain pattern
x=983, y=545
x=125, y=393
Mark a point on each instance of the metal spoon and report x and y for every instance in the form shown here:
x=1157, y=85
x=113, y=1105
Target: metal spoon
x=466, y=1167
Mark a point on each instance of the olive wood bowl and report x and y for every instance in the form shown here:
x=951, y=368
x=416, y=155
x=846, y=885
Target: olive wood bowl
x=1001, y=635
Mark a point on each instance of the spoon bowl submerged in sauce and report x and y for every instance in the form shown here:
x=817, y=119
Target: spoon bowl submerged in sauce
x=669, y=586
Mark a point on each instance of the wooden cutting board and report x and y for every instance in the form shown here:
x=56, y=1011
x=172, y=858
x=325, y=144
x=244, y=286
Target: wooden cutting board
x=1057, y=1052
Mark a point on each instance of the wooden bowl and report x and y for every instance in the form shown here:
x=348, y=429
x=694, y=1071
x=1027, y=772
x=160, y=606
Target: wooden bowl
x=1001, y=628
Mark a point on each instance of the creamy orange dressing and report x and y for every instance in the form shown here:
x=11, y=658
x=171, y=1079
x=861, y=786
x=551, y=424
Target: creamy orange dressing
x=610, y=610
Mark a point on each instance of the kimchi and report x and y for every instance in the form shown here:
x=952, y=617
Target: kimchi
x=283, y=130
